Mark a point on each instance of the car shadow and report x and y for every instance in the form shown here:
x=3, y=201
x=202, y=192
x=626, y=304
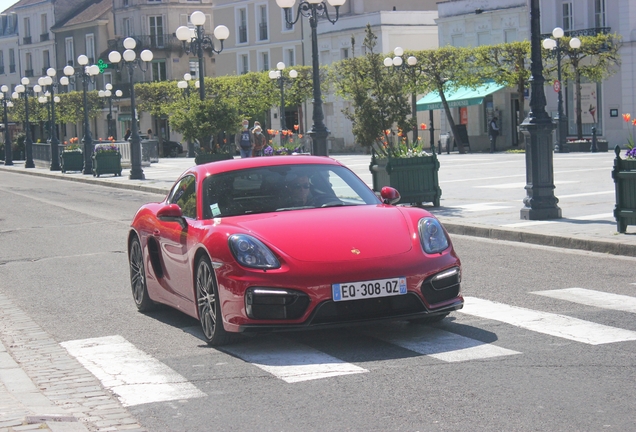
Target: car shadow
x=367, y=342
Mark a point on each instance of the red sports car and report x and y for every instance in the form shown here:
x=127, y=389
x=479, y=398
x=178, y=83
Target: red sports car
x=289, y=242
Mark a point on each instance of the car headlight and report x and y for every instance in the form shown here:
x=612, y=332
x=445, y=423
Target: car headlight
x=432, y=235
x=251, y=252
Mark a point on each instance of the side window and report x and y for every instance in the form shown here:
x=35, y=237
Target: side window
x=184, y=195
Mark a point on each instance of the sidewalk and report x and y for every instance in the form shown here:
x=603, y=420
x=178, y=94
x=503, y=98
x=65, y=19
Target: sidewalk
x=43, y=388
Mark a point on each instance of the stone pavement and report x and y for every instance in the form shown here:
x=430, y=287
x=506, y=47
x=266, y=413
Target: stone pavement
x=43, y=388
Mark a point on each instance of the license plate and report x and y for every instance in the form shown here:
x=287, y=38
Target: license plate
x=369, y=289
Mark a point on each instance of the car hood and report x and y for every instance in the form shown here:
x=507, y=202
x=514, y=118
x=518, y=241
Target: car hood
x=333, y=234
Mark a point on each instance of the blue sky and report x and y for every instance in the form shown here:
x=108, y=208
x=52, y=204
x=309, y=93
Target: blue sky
x=4, y=4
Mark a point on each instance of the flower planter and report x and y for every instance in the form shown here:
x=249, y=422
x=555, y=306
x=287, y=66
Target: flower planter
x=204, y=158
x=624, y=175
x=106, y=163
x=71, y=161
x=415, y=178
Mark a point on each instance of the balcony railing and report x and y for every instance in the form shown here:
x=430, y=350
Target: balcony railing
x=242, y=34
x=26, y=40
x=44, y=37
x=594, y=31
x=28, y=72
x=168, y=42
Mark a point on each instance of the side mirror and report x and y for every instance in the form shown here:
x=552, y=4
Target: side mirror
x=172, y=213
x=389, y=195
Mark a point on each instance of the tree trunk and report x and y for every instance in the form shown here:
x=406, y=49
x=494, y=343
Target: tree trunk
x=577, y=89
x=451, y=122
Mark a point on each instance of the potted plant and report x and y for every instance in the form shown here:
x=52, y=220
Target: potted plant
x=209, y=154
x=408, y=168
x=624, y=175
x=72, y=158
x=106, y=160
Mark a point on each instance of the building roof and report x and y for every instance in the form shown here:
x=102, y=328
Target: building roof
x=87, y=13
x=63, y=9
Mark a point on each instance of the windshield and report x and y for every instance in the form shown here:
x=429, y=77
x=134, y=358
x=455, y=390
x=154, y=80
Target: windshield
x=282, y=188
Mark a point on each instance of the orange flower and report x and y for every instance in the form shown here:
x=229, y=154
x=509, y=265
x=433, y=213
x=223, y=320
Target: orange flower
x=627, y=117
x=419, y=138
x=634, y=122
x=386, y=132
x=295, y=127
x=423, y=126
x=300, y=135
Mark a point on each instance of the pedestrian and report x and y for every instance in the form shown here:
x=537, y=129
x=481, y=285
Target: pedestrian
x=493, y=133
x=128, y=133
x=149, y=134
x=260, y=141
x=244, y=140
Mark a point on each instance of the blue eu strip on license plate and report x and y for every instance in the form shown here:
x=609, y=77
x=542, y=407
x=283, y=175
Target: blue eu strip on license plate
x=368, y=289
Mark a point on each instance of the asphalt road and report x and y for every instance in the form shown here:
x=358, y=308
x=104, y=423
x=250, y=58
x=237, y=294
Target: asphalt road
x=63, y=261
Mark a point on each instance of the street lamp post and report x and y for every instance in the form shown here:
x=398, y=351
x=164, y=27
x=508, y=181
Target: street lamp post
x=86, y=73
x=22, y=90
x=108, y=93
x=409, y=69
x=313, y=9
x=195, y=41
x=130, y=57
x=47, y=81
x=278, y=75
x=540, y=202
x=185, y=87
x=8, y=151
x=558, y=48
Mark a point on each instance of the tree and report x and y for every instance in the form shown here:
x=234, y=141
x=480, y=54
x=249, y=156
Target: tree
x=505, y=64
x=445, y=70
x=200, y=119
x=378, y=100
x=595, y=60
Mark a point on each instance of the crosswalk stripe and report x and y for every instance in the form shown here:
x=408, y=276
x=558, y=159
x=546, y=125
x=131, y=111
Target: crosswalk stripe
x=290, y=361
x=134, y=376
x=598, y=299
x=442, y=345
x=547, y=323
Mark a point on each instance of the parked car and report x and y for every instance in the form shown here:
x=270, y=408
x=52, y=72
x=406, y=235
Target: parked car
x=289, y=242
x=170, y=148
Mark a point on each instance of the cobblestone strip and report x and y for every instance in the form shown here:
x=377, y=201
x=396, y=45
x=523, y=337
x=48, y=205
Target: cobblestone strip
x=57, y=375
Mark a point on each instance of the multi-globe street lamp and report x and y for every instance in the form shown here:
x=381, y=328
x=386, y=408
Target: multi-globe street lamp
x=313, y=9
x=195, y=41
x=8, y=151
x=87, y=74
x=108, y=93
x=184, y=85
x=410, y=69
x=131, y=62
x=558, y=48
x=540, y=202
x=22, y=90
x=278, y=75
x=48, y=83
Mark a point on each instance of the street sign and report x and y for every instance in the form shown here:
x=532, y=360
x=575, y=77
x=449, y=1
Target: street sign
x=556, y=86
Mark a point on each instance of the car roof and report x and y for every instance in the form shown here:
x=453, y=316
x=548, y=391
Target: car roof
x=245, y=163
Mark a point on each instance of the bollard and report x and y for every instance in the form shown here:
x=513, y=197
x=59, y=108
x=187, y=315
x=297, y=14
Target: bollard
x=594, y=147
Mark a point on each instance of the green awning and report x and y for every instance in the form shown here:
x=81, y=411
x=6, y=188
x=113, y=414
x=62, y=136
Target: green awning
x=124, y=117
x=463, y=96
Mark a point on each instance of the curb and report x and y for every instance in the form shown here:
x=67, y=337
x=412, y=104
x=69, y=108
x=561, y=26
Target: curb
x=599, y=246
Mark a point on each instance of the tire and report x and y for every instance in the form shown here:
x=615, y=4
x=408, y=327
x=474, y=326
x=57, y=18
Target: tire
x=138, y=278
x=208, y=304
x=429, y=320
